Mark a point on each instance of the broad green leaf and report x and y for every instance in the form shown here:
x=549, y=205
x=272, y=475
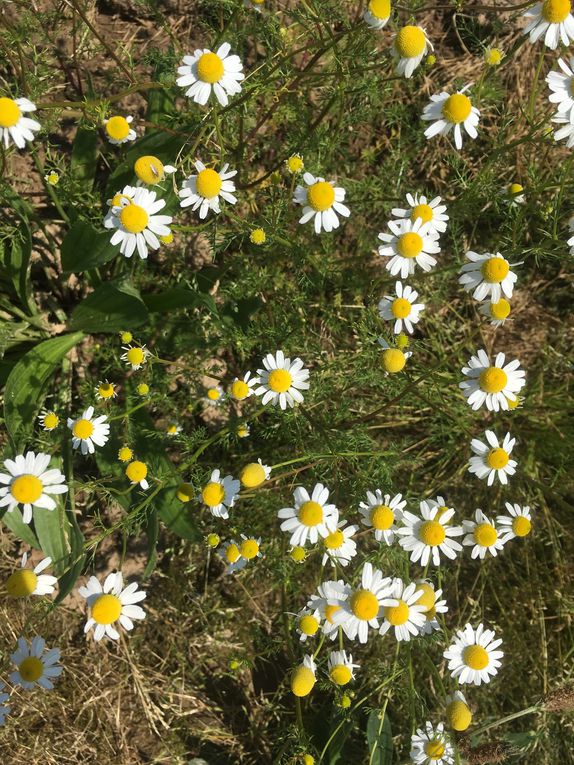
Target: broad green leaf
x=52, y=530
x=178, y=297
x=26, y=385
x=109, y=308
x=17, y=526
x=84, y=247
x=18, y=261
x=160, y=104
x=84, y=157
x=380, y=739
x=152, y=532
x=75, y=562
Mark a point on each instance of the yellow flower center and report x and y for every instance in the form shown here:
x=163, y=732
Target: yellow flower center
x=125, y=454
x=321, y=196
x=172, y=430
x=494, y=270
x=295, y=164
x=208, y=183
x=340, y=674
x=106, y=609
x=210, y=68
x=9, y=113
x=239, y=390
x=424, y=212
x=475, y=657
x=21, y=583
x=434, y=750
x=500, y=310
x=232, y=553
x=117, y=128
x=310, y=513
x=83, y=429
x=485, y=535
x=302, y=681
x=133, y=218
x=457, y=108
x=26, y=488
x=364, y=605
x=249, y=549
x=136, y=356
x=410, y=42
x=279, y=380
x=257, y=236
x=31, y=669
x=432, y=533
x=330, y=611
x=428, y=598
x=493, y=380
x=440, y=511
x=166, y=238
x=521, y=526
x=397, y=615
x=493, y=57
x=149, y=169
x=136, y=471
x=555, y=11
x=393, y=360
x=213, y=494
x=213, y=394
x=308, y=625
x=252, y=475
x=298, y=554
x=497, y=458
x=143, y=388
x=334, y=540
x=382, y=517
x=381, y=9
x=410, y=245
x=212, y=539
x=400, y=308
x=515, y=188
x=106, y=390
x=458, y=715
x=51, y=421
x=185, y=492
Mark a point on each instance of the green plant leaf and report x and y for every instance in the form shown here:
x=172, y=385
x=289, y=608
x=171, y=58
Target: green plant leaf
x=380, y=739
x=75, y=560
x=178, y=297
x=84, y=157
x=26, y=385
x=152, y=533
x=84, y=247
x=17, y=526
x=109, y=308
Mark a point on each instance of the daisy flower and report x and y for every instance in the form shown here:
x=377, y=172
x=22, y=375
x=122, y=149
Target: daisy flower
x=295, y=164
x=430, y=534
x=205, y=71
x=408, y=245
x=339, y=546
x=514, y=194
x=35, y=667
x=340, y=667
x=111, y=604
x=303, y=677
x=497, y=312
x=106, y=390
x=235, y=561
x=393, y=360
x=250, y=547
x=4, y=708
x=321, y=200
x=136, y=221
x=219, y=494
x=402, y=610
x=401, y=308
x=328, y=601
x=25, y=581
x=493, y=56
x=282, y=380
x=457, y=711
x=472, y=657
x=136, y=356
x=364, y=604
x=185, y=492
x=173, y=429
x=125, y=454
x=308, y=623
x=136, y=472
x=151, y=170
x=382, y=513
x=519, y=524
x=203, y=190
x=430, y=600
x=561, y=86
x=87, y=431
x=492, y=460
x=377, y=13
x=489, y=275
x=451, y=112
x=14, y=126
x=215, y=395
x=311, y=517
x=48, y=420
x=410, y=46
x=243, y=430
x=242, y=388
x=29, y=483
x=493, y=385
x=118, y=130
x=433, y=212
x=254, y=474
x=553, y=19
x=430, y=746
x=482, y=535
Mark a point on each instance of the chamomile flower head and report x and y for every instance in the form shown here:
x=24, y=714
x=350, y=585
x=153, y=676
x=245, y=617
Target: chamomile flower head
x=136, y=472
x=410, y=244
x=363, y=606
x=401, y=308
x=295, y=164
x=430, y=746
x=382, y=513
x=15, y=127
x=89, y=431
x=106, y=390
x=451, y=112
x=215, y=395
x=487, y=276
x=298, y=554
x=339, y=545
x=207, y=72
x=551, y=19
x=118, y=130
x=311, y=517
x=303, y=677
x=518, y=522
x=431, y=212
x=110, y=604
x=26, y=581
x=29, y=483
x=473, y=656
x=341, y=667
x=497, y=312
x=4, y=708
x=35, y=666
x=308, y=623
x=491, y=460
x=482, y=535
x=562, y=86
x=49, y=420
x=492, y=385
x=429, y=534
x=219, y=494
x=258, y=236
x=143, y=388
x=513, y=193
x=402, y=610
x=136, y=357
x=204, y=190
x=493, y=56
x=134, y=216
x=442, y=505
x=322, y=201
x=377, y=13
x=328, y=601
x=243, y=430
x=282, y=380
x=457, y=712
x=242, y=387
x=185, y=492
x=125, y=454
x=393, y=360
x=173, y=429
x=150, y=170
x=254, y=474
x=431, y=601
x=410, y=46
x=231, y=555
